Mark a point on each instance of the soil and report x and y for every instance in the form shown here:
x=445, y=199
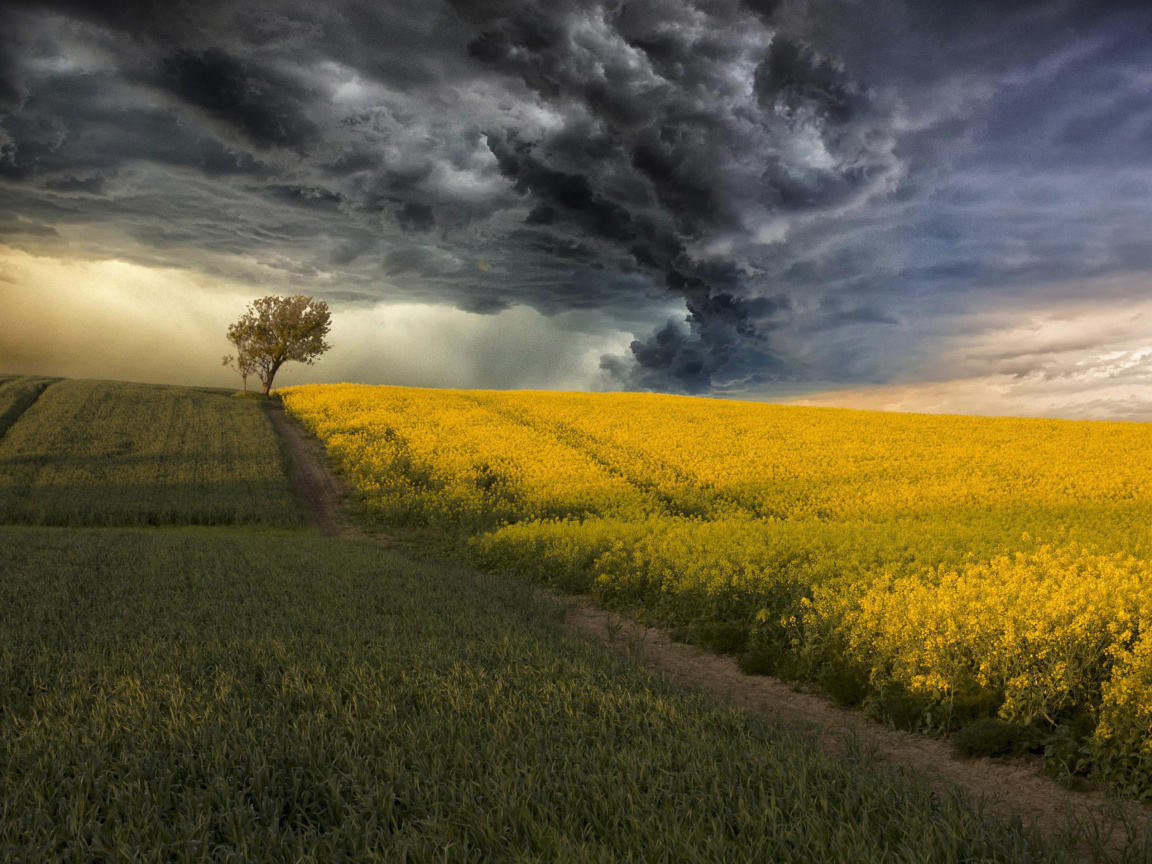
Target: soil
x=318, y=490
x=1085, y=819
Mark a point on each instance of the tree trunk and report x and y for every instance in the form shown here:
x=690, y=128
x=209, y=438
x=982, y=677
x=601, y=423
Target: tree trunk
x=271, y=374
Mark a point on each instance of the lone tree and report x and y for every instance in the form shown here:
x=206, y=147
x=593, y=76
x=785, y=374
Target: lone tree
x=241, y=363
x=274, y=331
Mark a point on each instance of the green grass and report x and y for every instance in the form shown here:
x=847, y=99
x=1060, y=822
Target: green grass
x=182, y=696
x=113, y=453
x=17, y=392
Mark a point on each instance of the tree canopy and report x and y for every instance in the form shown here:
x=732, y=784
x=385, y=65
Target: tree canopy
x=276, y=330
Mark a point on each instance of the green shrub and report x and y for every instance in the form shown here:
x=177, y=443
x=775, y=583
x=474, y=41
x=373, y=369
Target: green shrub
x=722, y=637
x=766, y=653
x=970, y=702
x=1069, y=751
x=893, y=703
x=760, y=659
x=991, y=736
x=846, y=683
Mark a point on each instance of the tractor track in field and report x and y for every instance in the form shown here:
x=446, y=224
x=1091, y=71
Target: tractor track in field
x=317, y=489
x=1007, y=787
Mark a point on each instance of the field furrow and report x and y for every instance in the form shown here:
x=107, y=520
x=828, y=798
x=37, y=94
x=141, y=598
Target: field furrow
x=678, y=491
x=110, y=453
x=17, y=393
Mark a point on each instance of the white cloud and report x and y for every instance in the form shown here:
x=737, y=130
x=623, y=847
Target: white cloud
x=772, y=231
x=438, y=346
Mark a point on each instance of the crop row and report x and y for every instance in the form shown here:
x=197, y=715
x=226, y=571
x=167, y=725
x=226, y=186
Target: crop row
x=112, y=453
x=16, y=394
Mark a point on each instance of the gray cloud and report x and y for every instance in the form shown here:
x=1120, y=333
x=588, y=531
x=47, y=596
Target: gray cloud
x=268, y=107
x=807, y=179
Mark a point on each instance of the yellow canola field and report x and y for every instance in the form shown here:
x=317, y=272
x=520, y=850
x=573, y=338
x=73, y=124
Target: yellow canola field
x=997, y=561
x=438, y=454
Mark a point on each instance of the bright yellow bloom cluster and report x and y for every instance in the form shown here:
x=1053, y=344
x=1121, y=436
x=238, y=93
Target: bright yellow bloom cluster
x=449, y=453
x=1041, y=626
x=1124, y=733
x=909, y=541
x=789, y=462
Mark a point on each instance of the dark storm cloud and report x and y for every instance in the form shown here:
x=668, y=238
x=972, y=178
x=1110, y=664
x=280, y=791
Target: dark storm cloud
x=801, y=177
x=91, y=185
x=266, y=107
x=720, y=334
x=416, y=217
x=653, y=86
x=12, y=225
x=796, y=78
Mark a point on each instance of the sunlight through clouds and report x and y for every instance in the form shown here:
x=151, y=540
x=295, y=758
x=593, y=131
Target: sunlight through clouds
x=1074, y=360
x=167, y=325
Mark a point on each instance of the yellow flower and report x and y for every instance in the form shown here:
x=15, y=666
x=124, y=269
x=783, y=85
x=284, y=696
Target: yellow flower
x=935, y=550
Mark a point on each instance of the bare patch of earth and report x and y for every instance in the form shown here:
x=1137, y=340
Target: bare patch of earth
x=321, y=493
x=1090, y=822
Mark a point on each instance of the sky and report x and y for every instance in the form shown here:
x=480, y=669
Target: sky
x=886, y=204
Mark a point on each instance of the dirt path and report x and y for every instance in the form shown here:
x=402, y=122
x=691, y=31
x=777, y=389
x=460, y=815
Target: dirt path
x=1010, y=787
x=317, y=488
x=1088, y=820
